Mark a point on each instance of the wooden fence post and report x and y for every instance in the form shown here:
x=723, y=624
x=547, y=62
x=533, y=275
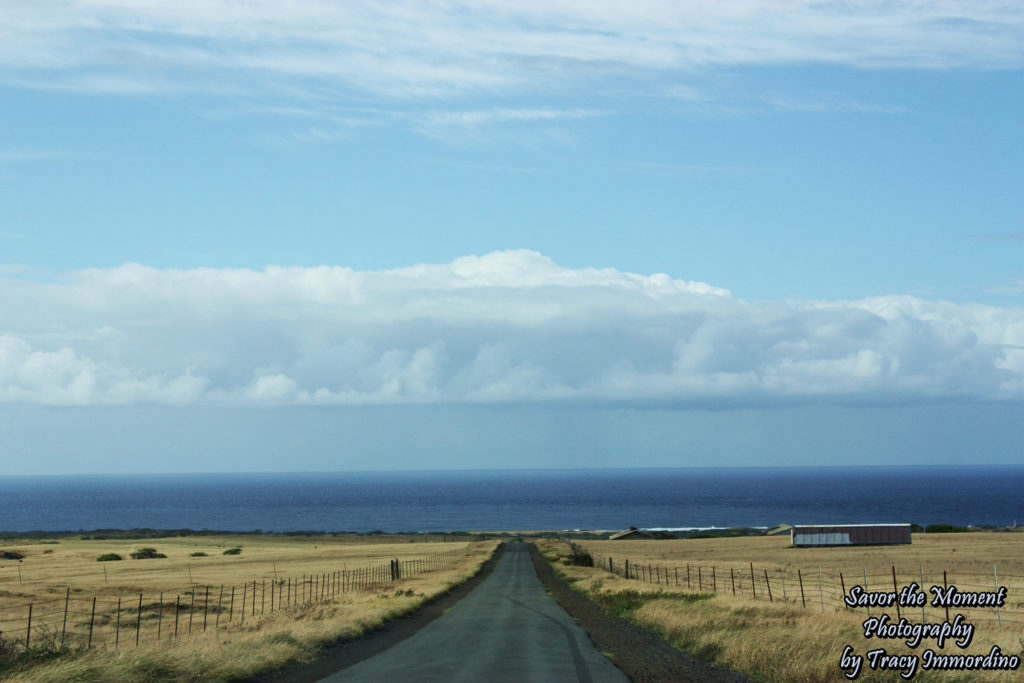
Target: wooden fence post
x=245, y=589
x=821, y=593
x=895, y=590
x=160, y=616
x=28, y=632
x=138, y=622
x=769, y=586
x=995, y=585
x=753, y=581
x=800, y=577
x=842, y=582
x=92, y=618
x=732, y=578
x=231, y=612
x=700, y=579
x=177, y=613
x=64, y=626
x=866, y=588
x=782, y=574
x=117, y=626
x=714, y=579
x=922, y=588
x=945, y=584
x=220, y=599
x=191, y=608
x=206, y=607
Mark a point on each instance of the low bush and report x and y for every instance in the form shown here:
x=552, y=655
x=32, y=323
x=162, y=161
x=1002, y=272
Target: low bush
x=198, y=553
x=109, y=557
x=146, y=554
x=580, y=558
x=233, y=551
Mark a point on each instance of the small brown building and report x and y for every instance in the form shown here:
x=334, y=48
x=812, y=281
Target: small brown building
x=630, y=534
x=850, y=534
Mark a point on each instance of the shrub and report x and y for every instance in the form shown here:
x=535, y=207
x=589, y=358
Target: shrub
x=233, y=551
x=580, y=558
x=944, y=529
x=109, y=557
x=146, y=554
x=199, y=553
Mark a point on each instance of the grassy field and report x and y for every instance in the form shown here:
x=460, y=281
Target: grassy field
x=313, y=611
x=776, y=640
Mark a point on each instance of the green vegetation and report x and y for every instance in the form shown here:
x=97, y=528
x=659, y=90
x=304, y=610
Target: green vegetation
x=109, y=557
x=146, y=554
x=233, y=551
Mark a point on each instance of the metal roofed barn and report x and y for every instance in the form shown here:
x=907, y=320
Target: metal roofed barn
x=850, y=534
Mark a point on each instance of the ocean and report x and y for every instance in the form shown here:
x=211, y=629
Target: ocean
x=488, y=500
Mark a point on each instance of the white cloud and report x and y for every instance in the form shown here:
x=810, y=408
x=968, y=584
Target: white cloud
x=419, y=49
x=504, y=327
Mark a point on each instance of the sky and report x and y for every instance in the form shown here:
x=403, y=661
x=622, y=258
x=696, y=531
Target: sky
x=318, y=235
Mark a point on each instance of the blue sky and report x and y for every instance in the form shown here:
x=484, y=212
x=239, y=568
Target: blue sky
x=716, y=218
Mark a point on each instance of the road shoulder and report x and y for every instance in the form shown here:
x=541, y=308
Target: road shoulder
x=640, y=653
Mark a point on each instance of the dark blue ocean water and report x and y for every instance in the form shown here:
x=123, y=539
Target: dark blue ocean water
x=530, y=499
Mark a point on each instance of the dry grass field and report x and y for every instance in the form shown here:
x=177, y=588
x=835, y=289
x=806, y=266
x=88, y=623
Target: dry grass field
x=311, y=605
x=777, y=640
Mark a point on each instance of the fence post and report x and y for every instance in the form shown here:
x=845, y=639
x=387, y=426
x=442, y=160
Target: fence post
x=231, y=612
x=206, y=606
x=895, y=590
x=800, y=577
x=995, y=585
x=768, y=585
x=866, y=588
x=753, y=581
x=245, y=589
x=64, y=626
x=688, y=575
x=220, y=599
x=700, y=579
x=177, y=613
x=92, y=618
x=782, y=573
x=138, y=622
x=191, y=608
x=117, y=626
x=732, y=579
x=263, y=597
x=714, y=579
x=842, y=582
x=627, y=568
x=160, y=616
x=945, y=584
x=28, y=633
x=821, y=593
x=922, y=588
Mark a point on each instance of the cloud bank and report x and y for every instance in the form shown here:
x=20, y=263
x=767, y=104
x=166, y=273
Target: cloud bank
x=508, y=328
x=441, y=49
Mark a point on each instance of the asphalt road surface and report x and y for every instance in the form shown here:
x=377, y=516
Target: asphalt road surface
x=507, y=629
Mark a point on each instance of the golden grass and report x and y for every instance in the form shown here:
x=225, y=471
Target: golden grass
x=236, y=649
x=782, y=641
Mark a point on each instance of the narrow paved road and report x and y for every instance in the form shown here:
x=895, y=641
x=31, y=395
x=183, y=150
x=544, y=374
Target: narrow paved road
x=508, y=629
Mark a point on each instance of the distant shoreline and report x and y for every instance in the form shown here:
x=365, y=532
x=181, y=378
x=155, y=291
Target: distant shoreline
x=679, y=532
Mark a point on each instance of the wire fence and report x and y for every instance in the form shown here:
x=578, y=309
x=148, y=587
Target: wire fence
x=77, y=621
x=826, y=590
